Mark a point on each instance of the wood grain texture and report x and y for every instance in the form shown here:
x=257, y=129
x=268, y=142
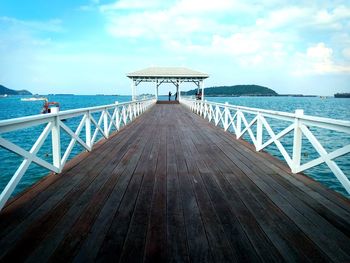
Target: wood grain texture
x=171, y=187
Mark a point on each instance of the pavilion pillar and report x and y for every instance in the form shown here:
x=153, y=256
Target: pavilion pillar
x=133, y=95
x=179, y=94
x=156, y=90
x=202, y=89
x=177, y=89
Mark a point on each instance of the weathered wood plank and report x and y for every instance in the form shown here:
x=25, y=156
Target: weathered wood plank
x=79, y=232
x=64, y=214
x=35, y=198
x=221, y=248
x=134, y=244
x=171, y=187
x=276, y=225
x=176, y=251
x=155, y=248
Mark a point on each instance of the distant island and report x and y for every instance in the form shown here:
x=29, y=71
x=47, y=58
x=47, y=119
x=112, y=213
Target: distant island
x=342, y=95
x=7, y=91
x=236, y=90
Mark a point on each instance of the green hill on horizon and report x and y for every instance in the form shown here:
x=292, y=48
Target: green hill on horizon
x=236, y=90
x=4, y=90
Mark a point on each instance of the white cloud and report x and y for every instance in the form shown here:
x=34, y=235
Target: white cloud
x=92, y=5
x=318, y=59
x=158, y=25
x=238, y=44
x=346, y=53
x=177, y=20
x=333, y=18
x=130, y=5
x=200, y=6
x=52, y=25
x=319, y=53
x=283, y=17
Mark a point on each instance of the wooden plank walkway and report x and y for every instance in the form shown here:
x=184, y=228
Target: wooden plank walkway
x=171, y=187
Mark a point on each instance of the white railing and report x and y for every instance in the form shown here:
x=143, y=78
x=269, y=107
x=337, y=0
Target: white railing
x=233, y=118
x=111, y=118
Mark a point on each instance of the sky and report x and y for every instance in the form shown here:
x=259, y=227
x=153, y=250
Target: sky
x=88, y=46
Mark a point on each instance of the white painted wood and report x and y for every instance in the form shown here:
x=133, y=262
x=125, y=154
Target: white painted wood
x=277, y=143
x=247, y=128
x=201, y=84
x=226, y=114
x=133, y=89
x=239, y=124
x=105, y=123
x=324, y=155
x=337, y=153
x=297, y=141
x=88, y=129
x=11, y=185
x=277, y=136
x=75, y=138
x=56, y=143
x=259, y=132
x=97, y=128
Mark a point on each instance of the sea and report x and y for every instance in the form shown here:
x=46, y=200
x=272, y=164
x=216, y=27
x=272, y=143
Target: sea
x=335, y=108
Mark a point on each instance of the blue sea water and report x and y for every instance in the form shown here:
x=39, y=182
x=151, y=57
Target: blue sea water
x=12, y=107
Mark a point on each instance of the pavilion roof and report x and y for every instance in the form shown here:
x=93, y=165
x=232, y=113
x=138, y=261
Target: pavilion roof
x=167, y=72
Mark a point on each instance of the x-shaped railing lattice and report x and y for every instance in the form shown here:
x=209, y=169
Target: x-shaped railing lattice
x=123, y=114
x=228, y=116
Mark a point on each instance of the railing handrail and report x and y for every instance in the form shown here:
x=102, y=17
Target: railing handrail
x=278, y=113
x=221, y=114
x=64, y=113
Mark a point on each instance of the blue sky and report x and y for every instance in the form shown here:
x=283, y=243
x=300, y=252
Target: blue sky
x=88, y=46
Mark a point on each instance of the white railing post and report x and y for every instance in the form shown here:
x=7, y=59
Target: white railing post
x=88, y=129
x=297, y=141
x=217, y=113
x=205, y=109
x=105, y=122
x=259, y=132
x=210, y=113
x=117, y=117
x=239, y=124
x=124, y=115
x=141, y=108
x=56, y=140
x=131, y=115
x=226, y=113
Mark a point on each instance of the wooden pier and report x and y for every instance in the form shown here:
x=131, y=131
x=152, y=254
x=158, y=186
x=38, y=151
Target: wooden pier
x=171, y=187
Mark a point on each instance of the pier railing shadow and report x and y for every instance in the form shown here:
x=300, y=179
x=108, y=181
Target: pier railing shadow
x=95, y=122
x=259, y=126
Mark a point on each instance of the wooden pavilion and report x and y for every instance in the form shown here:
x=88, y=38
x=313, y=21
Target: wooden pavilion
x=159, y=75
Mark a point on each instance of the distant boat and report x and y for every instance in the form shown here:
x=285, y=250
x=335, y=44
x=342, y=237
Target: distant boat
x=33, y=99
x=3, y=96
